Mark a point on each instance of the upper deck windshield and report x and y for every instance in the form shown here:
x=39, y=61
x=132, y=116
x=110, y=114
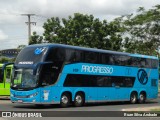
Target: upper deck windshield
x=31, y=55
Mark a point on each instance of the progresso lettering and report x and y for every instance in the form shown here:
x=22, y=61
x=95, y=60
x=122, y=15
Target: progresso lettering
x=97, y=69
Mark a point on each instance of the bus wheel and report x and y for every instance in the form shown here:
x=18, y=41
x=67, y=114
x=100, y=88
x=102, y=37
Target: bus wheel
x=65, y=100
x=142, y=98
x=79, y=100
x=133, y=98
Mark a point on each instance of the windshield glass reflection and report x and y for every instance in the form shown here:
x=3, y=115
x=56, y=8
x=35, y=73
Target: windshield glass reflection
x=24, y=78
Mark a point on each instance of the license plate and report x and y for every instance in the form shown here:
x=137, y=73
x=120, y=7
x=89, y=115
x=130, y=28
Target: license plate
x=20, y=101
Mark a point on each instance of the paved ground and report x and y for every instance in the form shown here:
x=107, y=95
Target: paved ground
x=6, y=105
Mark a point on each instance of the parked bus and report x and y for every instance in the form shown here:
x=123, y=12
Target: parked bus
x=56, y=73
x=5, y=80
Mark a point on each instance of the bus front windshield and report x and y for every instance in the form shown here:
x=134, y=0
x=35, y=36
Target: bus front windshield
x=24, y=79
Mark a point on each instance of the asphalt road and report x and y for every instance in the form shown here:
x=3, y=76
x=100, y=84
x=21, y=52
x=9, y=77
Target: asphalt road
x=6, y=105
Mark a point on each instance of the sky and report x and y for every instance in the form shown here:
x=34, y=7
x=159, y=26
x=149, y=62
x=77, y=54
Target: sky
x=14, y=30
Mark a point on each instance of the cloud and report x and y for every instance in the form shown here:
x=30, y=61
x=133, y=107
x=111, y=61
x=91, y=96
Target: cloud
x=3, y=36
x=63, y=8
x=15, y=32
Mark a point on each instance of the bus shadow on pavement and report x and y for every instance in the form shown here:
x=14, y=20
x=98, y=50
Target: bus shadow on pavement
x=117, y=103
x=55, y=106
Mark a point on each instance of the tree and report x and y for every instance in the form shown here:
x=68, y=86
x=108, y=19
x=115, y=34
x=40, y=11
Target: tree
x=6, y=60
x=143, y=31
x=35, y=39
x=83, y=30
x=20, y=47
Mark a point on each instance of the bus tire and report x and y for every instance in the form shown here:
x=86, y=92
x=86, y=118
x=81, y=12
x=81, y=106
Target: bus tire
x=65, y=100
x=133, y=98
x=79, y=100
x=142, y=98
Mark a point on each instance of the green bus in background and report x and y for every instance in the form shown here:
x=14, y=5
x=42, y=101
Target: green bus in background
x=5, y=80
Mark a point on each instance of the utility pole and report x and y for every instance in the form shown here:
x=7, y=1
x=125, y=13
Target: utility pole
x=29, y=24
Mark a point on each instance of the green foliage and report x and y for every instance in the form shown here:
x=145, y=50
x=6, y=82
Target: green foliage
x=5, y=60
x=143, y=31
x=134, y=33
x=35, y=39
x=84, y=30
x=21, y=47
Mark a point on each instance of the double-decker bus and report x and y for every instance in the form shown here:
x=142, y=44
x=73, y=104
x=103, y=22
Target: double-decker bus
x=56, y=73
x=5, y=80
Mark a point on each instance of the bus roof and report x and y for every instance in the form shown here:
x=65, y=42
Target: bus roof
x=49, y=45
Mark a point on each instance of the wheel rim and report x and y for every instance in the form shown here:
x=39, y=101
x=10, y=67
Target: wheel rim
x=79, y=99
x=64, y=99
x=141, y=97
x=133, y=98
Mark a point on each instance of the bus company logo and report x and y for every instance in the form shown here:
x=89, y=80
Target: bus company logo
x=97, y=69
x=142, y=76
x=6, y=114
x=39, y=50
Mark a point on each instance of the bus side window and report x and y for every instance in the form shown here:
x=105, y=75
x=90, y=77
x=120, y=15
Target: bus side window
x=105, y=58
x=128, y=82
x=70, y=55
x=148, y=63
x=136, y=62
x=91, y=57
x=49, y=75
x=154, y=64
x=143, y=62
x=117, y=59
x=117, y=82
x=60, y=54
x=100, y=81
x=107, y=81
x=79, y=56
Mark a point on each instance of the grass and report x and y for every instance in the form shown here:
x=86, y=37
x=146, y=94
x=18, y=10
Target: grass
x=156, y=110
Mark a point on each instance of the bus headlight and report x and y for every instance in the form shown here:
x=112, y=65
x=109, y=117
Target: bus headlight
x=32, y=95
x=12, y=95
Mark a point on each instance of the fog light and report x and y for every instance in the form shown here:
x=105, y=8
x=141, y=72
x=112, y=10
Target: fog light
x=12, y=95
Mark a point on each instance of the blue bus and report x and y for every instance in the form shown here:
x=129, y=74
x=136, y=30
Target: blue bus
x=64, y=74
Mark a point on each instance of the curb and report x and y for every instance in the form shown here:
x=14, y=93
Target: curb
x=4, y=97
x=141, y=109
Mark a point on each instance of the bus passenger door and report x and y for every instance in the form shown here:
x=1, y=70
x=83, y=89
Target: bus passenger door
x=45, y=90
x=47, y=79
x=1, y=83
x=7, y=81
x=46, y=93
